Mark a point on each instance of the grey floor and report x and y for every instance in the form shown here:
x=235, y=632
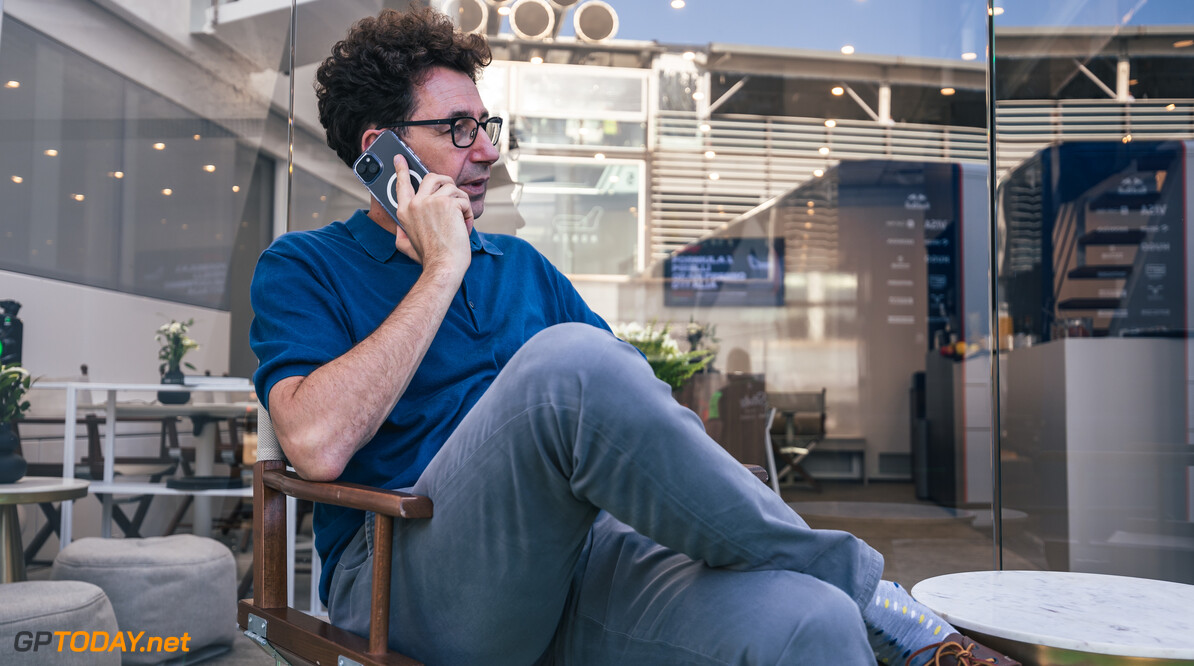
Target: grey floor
x=914, y=548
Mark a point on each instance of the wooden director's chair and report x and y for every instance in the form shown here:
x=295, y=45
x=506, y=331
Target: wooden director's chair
x=288, y=633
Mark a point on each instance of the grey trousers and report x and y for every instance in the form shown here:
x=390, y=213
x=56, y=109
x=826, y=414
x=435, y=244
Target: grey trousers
x=582, y=516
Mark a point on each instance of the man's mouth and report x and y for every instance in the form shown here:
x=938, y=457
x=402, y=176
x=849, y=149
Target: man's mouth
x=475, y=188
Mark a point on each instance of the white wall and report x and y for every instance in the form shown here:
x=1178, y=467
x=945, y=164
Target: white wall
x=113, y=333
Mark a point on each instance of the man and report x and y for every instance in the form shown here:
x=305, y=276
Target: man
x=581, y=515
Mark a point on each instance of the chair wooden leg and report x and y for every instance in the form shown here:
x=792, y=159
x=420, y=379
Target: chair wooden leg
x=269, y=540
x=379, y=611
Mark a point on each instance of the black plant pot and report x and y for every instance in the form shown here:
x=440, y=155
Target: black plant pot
x=12, y=465
x=173, y=376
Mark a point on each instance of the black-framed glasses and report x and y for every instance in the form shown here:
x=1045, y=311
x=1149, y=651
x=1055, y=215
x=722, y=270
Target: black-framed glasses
x=464, y=128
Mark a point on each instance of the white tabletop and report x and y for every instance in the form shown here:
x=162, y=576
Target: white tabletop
x=1093, y=613
x=32, y=489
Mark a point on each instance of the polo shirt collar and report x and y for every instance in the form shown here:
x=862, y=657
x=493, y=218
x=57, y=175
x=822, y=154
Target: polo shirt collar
x=379, y=243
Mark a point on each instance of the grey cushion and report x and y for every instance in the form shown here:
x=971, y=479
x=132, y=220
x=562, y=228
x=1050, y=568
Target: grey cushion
x=30, y=613
x=165, y=586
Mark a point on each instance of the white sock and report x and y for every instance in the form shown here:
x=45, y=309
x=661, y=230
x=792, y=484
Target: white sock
x=898, y=625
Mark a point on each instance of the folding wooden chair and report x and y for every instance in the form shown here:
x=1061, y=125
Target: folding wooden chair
x=797, y=426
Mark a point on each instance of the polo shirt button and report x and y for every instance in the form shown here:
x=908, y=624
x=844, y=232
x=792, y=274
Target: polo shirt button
x=471, y=306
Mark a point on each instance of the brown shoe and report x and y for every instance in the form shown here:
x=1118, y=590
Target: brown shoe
x=957, y=650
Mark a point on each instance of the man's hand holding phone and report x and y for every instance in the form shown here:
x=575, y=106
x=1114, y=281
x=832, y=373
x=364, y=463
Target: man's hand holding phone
x=432, y=215
x=436, y=219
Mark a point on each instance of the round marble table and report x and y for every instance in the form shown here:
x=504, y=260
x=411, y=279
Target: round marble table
x=28, y=490
x=1056, y=617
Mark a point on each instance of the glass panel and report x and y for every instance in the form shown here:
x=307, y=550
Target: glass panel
x=1095, y=269
x=111, y=184
x=534, y=132
x=317, y=202
x=135, y=161
x=587, y=92
x=583, y=214
x=821, y=221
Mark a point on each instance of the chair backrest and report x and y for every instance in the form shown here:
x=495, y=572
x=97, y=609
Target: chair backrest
x=268, y=447
x=805, y=410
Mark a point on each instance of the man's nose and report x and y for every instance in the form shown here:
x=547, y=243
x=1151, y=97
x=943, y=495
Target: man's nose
x=483, y=148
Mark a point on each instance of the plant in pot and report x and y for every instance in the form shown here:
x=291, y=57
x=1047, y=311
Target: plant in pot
x=663, y=353
x=175, y=343
x=14, y=383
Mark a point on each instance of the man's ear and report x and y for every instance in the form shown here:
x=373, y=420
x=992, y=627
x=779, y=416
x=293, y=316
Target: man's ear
x=368, y=137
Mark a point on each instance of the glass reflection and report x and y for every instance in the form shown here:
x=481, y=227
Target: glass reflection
x=1094, y=280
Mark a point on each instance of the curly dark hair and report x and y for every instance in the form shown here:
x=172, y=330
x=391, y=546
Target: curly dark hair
x=370, y=77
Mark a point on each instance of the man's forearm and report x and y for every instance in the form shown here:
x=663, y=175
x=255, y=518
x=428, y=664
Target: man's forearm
x=324, y=418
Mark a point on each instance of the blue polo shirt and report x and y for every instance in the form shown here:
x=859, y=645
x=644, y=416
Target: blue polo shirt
x=317, y=293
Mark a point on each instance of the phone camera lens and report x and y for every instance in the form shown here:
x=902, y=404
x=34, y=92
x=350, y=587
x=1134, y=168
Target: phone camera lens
x=368, y=168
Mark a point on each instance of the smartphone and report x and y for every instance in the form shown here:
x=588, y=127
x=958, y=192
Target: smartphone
x=375, y=169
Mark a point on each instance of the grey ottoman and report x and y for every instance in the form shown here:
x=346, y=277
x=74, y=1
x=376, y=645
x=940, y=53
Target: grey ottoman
x=56, y=622
x=180, y=590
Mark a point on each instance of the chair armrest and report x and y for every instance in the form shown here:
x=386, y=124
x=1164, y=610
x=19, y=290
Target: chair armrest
x=759, y=472
x=351, y=495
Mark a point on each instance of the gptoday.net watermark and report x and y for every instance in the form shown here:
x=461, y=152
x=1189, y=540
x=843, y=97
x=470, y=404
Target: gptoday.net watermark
x=98, y=641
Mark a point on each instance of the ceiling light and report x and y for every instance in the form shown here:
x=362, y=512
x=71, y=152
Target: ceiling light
x=196, y=137
x=18, y=180
x=709, y=154
x=698, y=95
x=50, y=152
x=118, y=175
x=236, y=188
x=323, y=197
x=159, y=146
x=705, y=127
x=678, y=4
x=948, y=91
x=1170, y=107
x=838, y=90
x=77, y=197
x=824, y=150
x=715, y=176
x=12, y=84
x=1177, y=45
x=831, y=123
x=1127, y=138
x=503, y=11
x=690, y=55
x=811, y=203
x=167, y=191
x=969, y=55
x=210, y=168
x=598, y=156
x=818, y=172
x=536, y=57
x=997, y=11
x=847, y=50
